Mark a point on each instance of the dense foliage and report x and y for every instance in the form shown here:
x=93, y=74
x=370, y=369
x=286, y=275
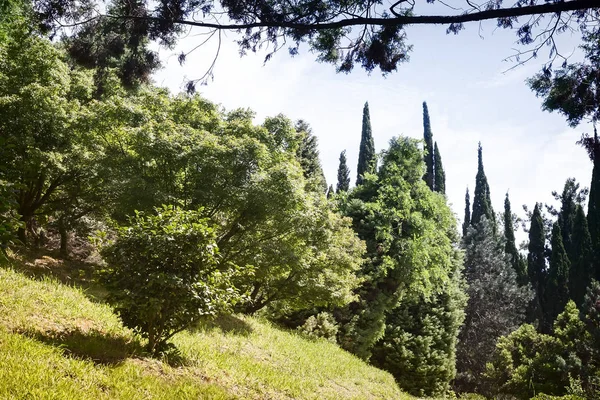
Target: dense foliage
x=411, y=268
x=261, y=188
x=527, y=362
x=162, y=274
x=420, y=339
x=46, y=146
x=496, y=305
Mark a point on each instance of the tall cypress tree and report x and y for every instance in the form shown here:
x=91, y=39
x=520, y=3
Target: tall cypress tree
x=566, y=217
x=367, y=161
x=557, y=290
x=467, y=220
x=429, y=176
x=440, y=175
x=536, y=259
x=496, y=304
x=343, y=174
x=581, y=272
x=593, y=216
x=510, y=246
x=482, y=204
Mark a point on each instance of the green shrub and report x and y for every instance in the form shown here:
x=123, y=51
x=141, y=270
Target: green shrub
x=527, y=362
x=162, y=274
x=565, y=397
x=471, y=396
x=321, y=326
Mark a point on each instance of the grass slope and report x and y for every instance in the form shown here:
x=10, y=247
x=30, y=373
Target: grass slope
x=56, y=343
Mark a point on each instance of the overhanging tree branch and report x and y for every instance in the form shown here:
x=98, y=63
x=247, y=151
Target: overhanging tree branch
x=549, y=8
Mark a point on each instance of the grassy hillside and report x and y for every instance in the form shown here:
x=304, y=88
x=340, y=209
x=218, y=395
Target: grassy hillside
x=57, y=342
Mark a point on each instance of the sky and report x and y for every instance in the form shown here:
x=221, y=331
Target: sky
x=471, y=97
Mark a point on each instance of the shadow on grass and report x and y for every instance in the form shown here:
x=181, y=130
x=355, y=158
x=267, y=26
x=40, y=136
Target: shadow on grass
x=95, y=346
x=40, y=264
x=228, y=324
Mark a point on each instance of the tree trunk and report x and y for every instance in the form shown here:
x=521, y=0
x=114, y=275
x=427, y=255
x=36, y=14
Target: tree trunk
x=22, y=231
x=64, y=238
x=22, y=235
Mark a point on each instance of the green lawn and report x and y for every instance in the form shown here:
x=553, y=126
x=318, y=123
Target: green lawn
x=58, y=343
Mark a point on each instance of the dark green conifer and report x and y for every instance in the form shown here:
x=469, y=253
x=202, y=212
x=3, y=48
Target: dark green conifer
x=330, y=192
x=467, y=220
x=423, y=370
x=593, y=216
x=440, y=175
x=566, y=217
x=308, y=156
x=367, y=160
x=510, y=246
x=343, y=174
x=496, y=304
x=413, y=335
x=482, y=204
x=429, y=176
x=557, y=289
x=536, y=260
x=581, y=271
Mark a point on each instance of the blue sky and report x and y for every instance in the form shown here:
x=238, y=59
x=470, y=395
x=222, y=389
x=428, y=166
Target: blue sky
x=527, y=151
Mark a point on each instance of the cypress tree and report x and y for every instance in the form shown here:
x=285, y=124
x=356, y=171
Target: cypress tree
x=510, y=246
x=330, y=192
x=496, y=303
x=581, y=272
x=467, y=220
x=429, y=176
x=411, y=335
x=308, y=156
x=536, y=259
x=343, y=174
x=367, y=161
x=566, y=217
x=557, y=290
x=423, y=370
x=440, y=175
x=482, y=204
x=593, y=216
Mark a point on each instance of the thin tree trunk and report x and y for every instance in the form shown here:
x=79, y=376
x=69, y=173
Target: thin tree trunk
x=22, y=231
x=64, y=238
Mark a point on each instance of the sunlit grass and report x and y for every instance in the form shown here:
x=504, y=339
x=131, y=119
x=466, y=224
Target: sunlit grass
x=56, y=343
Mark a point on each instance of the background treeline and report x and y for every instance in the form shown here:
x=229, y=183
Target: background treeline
x=198, y=211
